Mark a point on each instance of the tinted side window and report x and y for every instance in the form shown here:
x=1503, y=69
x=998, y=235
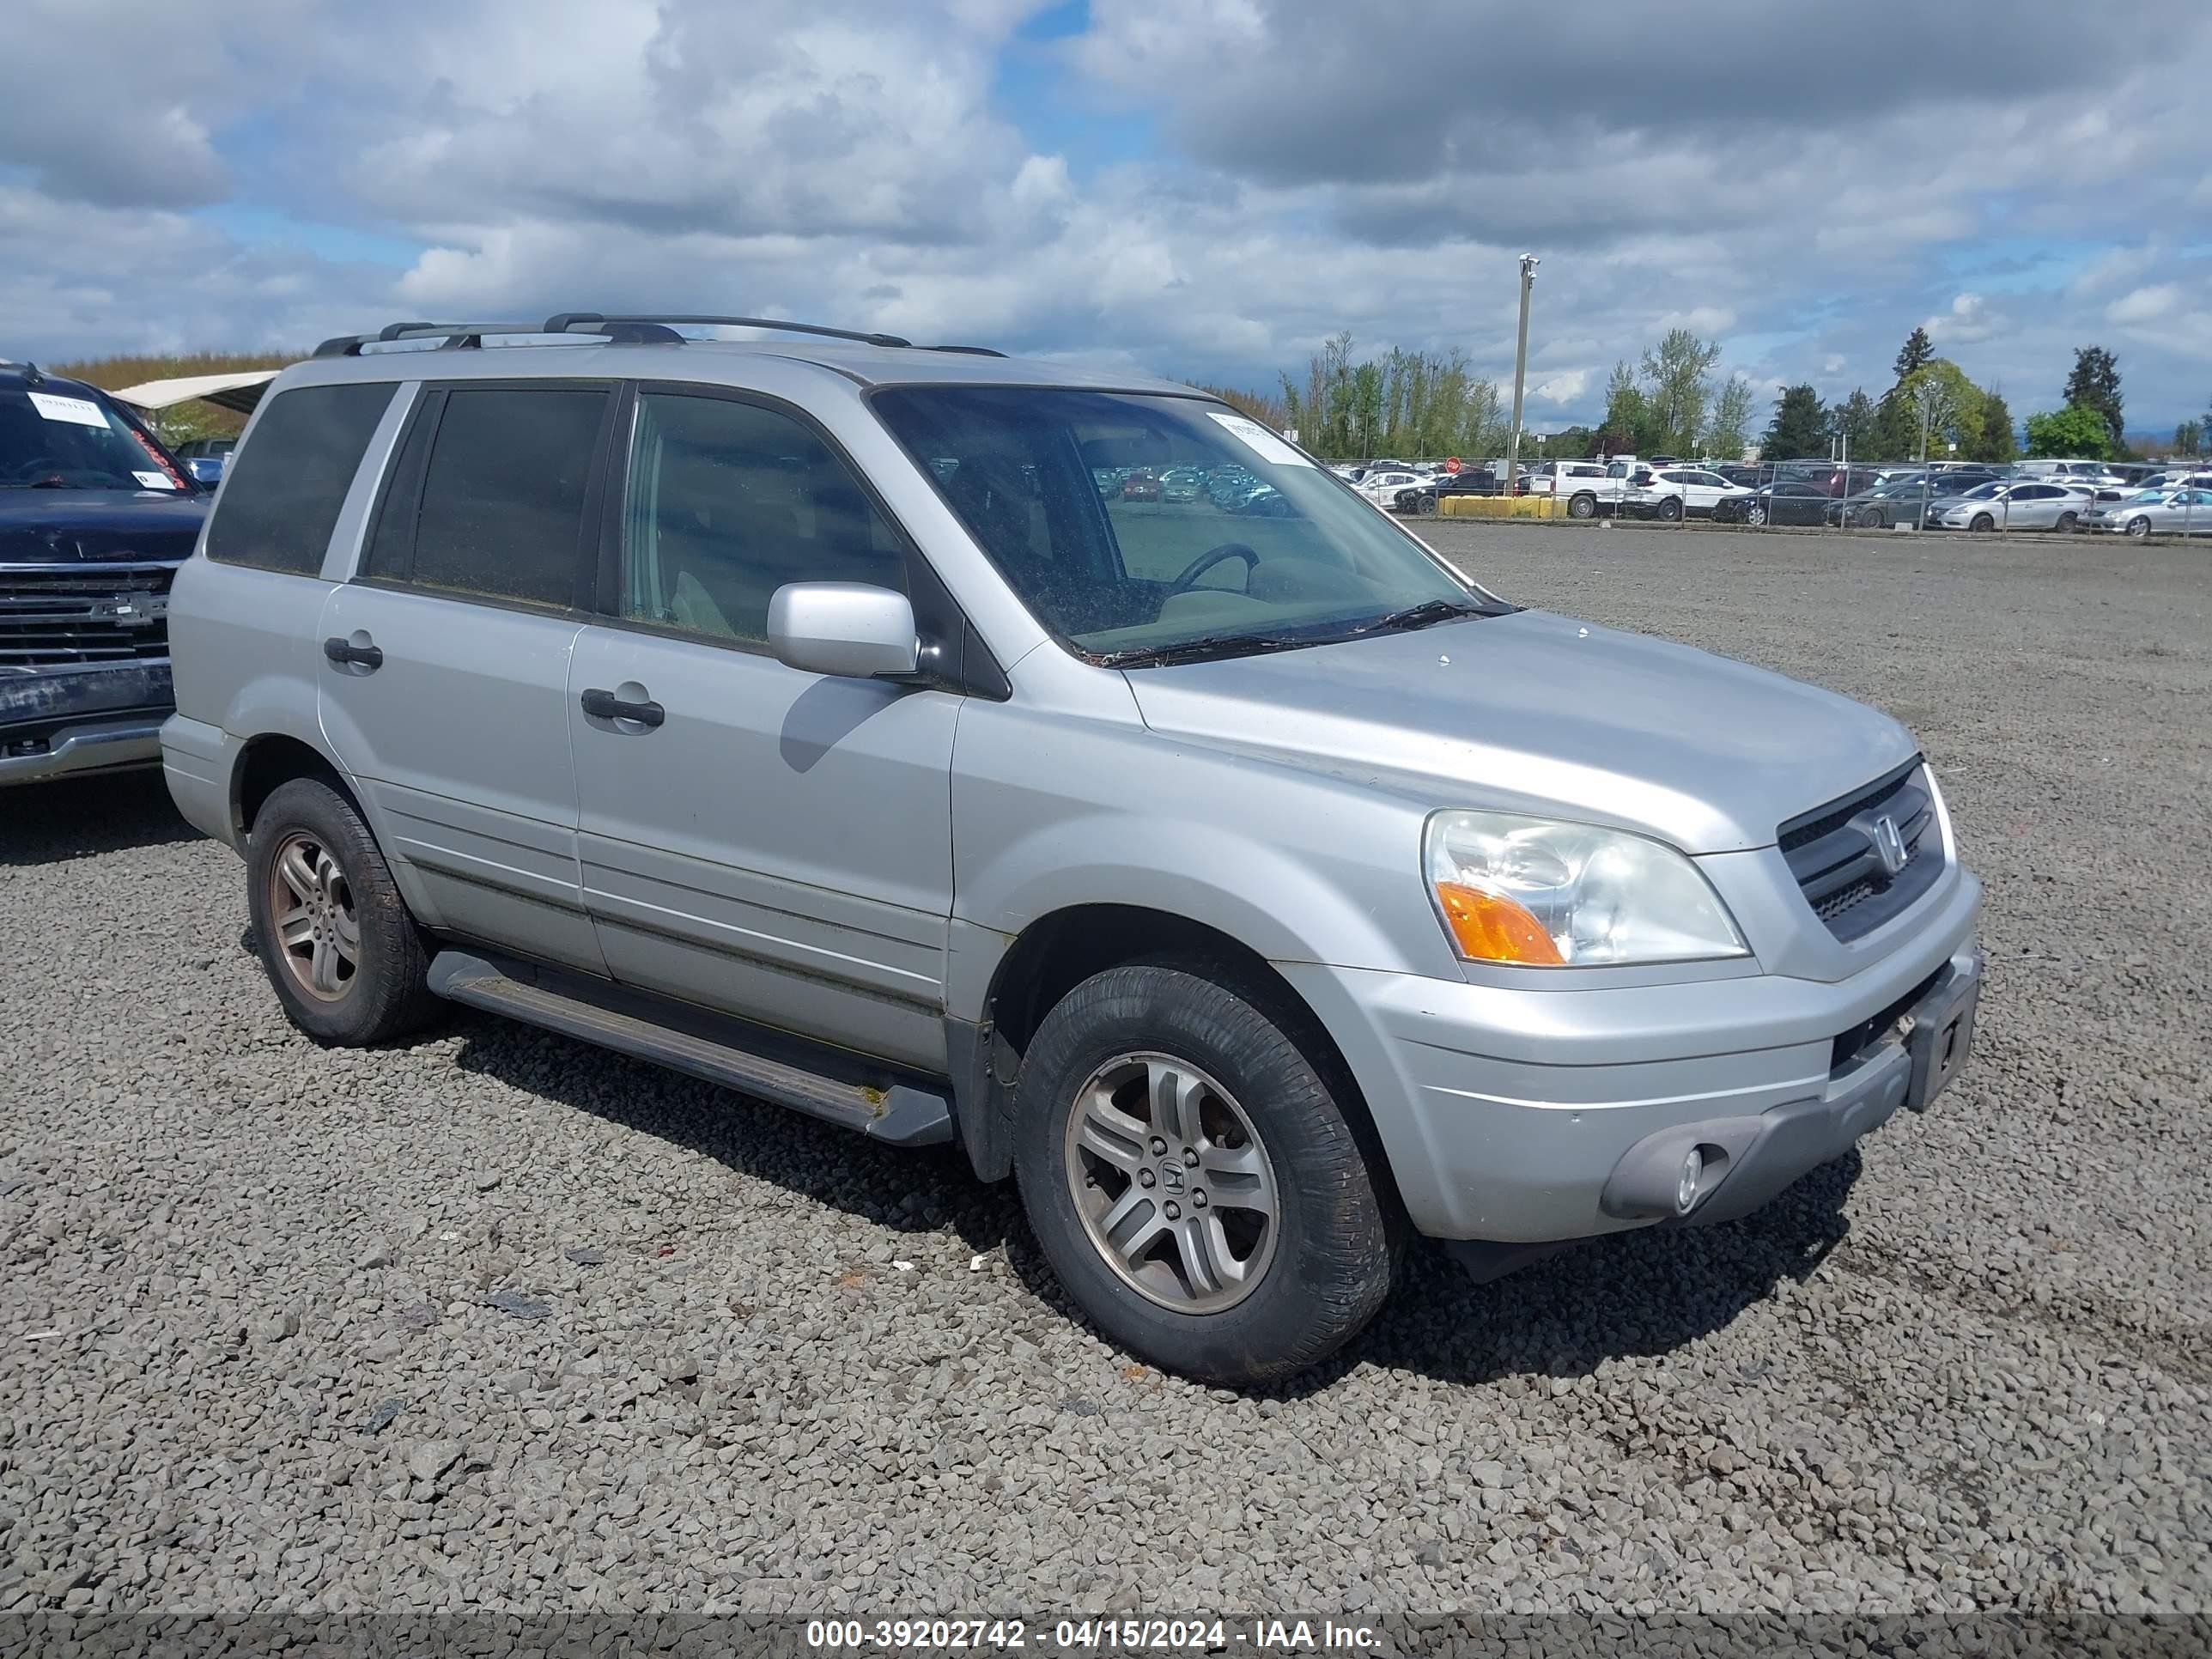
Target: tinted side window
x=728, y=502
x=280, y=500
x=502, y=512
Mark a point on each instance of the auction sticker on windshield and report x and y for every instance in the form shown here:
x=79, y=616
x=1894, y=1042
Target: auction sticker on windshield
x=78, y=411
x=1260, y=441
x=156, y=480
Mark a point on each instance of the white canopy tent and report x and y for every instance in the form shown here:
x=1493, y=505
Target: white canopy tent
x=237, y=392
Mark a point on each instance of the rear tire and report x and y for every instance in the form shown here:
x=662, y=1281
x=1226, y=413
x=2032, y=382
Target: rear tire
x=1582, y=507
x=1296, y=1248
x=1671, y=510
x=338, y=941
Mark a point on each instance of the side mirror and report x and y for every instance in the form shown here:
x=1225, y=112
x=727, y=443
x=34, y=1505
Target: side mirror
x=847, y=629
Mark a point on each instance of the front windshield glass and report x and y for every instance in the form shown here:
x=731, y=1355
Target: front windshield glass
x=52, y=438
x=1987, y=492
x=1057, y=486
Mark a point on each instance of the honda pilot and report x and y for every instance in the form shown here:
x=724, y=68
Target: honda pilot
x=802, y=713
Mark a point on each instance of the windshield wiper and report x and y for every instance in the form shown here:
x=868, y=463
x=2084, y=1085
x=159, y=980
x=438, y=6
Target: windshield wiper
x=1212, y=646
x=1422, y=615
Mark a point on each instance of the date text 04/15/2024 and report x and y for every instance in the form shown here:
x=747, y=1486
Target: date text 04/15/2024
x=1091, y=1635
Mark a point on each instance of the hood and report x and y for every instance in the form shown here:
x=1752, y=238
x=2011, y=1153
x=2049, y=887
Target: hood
x=1537, y=712
x=63, y=526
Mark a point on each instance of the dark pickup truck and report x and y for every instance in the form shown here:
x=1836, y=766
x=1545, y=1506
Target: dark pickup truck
x=96, y=516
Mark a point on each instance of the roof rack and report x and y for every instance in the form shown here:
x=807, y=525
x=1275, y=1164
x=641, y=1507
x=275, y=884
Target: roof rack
x=592, y=322
x=628, y=330
x=460, y=335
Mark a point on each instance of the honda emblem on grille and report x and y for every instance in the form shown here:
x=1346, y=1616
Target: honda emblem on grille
x=1888, y=845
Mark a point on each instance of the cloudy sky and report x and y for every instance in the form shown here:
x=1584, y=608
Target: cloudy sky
x=1204, y=188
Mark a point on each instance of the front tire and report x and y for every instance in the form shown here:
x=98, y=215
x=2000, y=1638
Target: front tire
x=333, y=933
x=1755, y=513
x=2139, y=528
x=2068, y=522
x=1193, y=1180
x=1983, y=524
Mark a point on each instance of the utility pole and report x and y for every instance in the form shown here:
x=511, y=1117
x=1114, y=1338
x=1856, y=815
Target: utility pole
x=1520, y=374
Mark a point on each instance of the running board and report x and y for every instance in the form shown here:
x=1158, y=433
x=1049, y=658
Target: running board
x=900, y=1113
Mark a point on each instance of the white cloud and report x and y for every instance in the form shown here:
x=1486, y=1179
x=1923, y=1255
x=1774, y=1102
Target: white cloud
x=2145, y=305
x=1970, y=318
x=1560, y=390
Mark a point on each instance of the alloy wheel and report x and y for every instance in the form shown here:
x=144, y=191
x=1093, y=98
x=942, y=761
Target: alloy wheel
x=1174, y=1190
x=317, y=930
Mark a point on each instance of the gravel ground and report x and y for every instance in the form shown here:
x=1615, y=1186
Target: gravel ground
x=499, y=1320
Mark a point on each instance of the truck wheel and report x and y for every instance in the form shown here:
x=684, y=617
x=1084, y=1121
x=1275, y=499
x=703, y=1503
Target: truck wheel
x=1582, y=507
x=1194, y=1181
x=333, y=933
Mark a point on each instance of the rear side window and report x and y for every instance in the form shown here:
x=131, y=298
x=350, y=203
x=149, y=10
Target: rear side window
x=280, y=500
x=500, y=514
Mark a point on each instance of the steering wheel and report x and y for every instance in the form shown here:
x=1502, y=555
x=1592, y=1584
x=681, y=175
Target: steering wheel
x=1205, y=561
x=43, y=466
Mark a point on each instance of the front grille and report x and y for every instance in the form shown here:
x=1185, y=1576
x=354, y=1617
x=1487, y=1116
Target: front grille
x=1835, y=852
x=53, y=616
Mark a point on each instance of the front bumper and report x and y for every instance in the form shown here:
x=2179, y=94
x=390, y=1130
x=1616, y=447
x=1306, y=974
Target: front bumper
x=102, y=717
x=1507, y=1113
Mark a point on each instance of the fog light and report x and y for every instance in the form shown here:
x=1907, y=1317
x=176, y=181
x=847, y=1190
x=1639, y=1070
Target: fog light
x=1685, y=1185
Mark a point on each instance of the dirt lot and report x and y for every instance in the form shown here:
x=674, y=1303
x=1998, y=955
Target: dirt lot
x=254, y=1349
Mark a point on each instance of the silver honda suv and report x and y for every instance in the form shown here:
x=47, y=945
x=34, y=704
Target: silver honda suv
x=860, y=727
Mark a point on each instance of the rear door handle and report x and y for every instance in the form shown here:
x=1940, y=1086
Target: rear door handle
x=339, y=650
x=605, y=705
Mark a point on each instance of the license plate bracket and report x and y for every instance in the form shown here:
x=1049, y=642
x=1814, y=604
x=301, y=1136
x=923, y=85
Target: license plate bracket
x=1938, y=1043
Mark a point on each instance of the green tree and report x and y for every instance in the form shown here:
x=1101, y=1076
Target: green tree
x=1957, y=403
x=1366, y=409
x=2076, y=429
x=1918, y=352
x=2095, y=384
x=1626, y=413
x=1997, y=440
x=2189, y=438
x=1896, y=436
x=1854, y=420
x=1678, y=384
x=1800, y=427
x=1730, y=429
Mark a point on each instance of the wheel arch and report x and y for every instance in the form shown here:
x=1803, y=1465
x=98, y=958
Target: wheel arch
x=1057, y=951
x=271, y=760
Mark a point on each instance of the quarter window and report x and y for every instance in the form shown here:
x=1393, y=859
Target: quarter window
x=729, y=502
x=285, y=489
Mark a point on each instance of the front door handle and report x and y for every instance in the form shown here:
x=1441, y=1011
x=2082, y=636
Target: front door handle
x=345, y=652
x=604, y=705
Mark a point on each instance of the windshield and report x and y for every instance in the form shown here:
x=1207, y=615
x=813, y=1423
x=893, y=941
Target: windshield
x=55, y=439
x=1270, y=551
x=1988, y=492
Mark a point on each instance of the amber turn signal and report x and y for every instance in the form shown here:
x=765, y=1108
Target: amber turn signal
x=1488, y=928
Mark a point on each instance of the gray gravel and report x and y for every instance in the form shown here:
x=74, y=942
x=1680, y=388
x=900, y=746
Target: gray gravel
x=496, y=1319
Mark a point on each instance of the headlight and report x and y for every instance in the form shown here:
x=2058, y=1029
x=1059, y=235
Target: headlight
x=1550, y=895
